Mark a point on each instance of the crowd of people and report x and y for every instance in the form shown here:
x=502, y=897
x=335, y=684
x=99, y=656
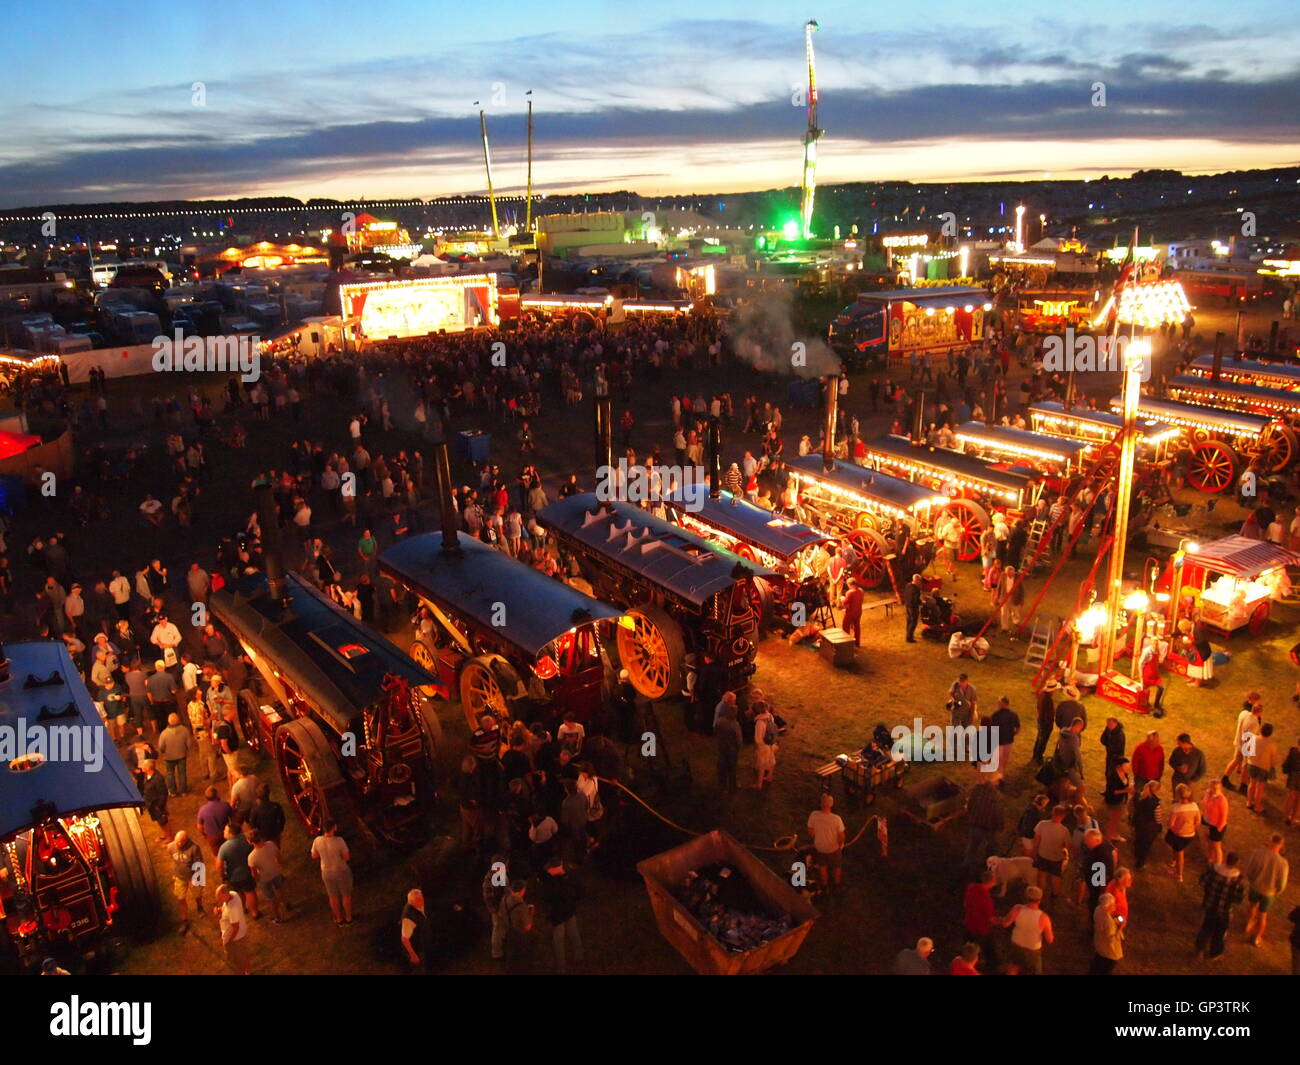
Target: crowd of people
x=532, y=805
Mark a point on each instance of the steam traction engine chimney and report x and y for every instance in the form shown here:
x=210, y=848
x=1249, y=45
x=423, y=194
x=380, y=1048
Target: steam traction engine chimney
x=832, y=416
x=272, y=557
x=918, y=420
x=604, y=436
x=446, y=502
x=1218, y=357
x=715, y=458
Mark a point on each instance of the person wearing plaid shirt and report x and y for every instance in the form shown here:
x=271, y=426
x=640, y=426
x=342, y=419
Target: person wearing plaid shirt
x=1225, y=887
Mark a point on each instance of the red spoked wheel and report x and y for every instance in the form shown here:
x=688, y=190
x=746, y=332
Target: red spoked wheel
x=1258, y=619
x=974, y=520
x=309, y=771
x=1107, y=460
x=1213, y=467
x=1278, y=447
x=872, y=567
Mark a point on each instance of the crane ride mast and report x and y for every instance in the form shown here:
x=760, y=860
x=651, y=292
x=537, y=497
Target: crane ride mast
x=810, y=138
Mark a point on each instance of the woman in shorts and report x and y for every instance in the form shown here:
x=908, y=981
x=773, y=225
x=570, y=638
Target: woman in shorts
x=1184, y=819
x=1214, y=816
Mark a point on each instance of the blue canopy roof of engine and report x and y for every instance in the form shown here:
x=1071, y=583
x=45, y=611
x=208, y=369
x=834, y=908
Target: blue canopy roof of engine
x=1104, y=418
x=1184, y=413
x=322, y=649
x=944, y=459
x=868, y=483
x=480, y=580
x=747, y=521
x=687, y=565
x=998, y=435
x=1282, y=371
x=81, y=770
x=1233, y=391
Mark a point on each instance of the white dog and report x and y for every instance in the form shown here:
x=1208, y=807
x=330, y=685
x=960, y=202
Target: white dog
x=1006, y=870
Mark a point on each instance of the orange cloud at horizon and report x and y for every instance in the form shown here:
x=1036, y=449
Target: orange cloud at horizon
x=689, y=168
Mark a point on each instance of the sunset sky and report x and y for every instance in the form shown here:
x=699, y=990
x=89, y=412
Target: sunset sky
x=376, y=100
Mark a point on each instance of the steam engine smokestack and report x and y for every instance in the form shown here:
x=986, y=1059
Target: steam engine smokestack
x=1217, y=368
x=446, y=501
x=715, y=458
x=268, y=519
x=604, y=434
x=918, y=420
x=832, y=416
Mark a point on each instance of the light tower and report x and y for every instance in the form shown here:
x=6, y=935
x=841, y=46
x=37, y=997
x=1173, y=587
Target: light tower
x=810, y=139
x=487, y=164
x=528, y=221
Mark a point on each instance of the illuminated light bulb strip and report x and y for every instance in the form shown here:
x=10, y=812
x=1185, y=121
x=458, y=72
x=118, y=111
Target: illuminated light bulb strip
x=870, y=502
x=1223, y=421
x=942, y=474
x=1082, y=428
x=666, y=308
x=454, y=281
x=35, y=360
x=999, y=447
x=1241, y=404
x=1153, y=304
x=1017, y=260
x=1261, y=378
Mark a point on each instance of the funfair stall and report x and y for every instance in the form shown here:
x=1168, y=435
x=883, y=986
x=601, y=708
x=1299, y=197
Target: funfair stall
x=1228, y=584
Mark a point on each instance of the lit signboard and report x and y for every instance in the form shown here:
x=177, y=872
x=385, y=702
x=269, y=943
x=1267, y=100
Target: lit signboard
x=420, y=306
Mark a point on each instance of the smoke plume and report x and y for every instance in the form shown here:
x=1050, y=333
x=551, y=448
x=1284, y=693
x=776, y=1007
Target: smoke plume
x=763, y=334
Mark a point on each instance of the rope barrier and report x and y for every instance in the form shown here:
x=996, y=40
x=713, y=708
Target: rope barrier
x=779, y=845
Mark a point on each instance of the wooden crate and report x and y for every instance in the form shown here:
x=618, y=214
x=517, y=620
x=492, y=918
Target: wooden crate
x=838, y=648
x=692, y=941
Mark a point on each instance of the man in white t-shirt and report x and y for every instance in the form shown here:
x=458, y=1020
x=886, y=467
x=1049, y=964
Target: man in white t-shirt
x=828, y=842
x=120, y=589
x=166, y=637
x=234, y=929
x=332, y=853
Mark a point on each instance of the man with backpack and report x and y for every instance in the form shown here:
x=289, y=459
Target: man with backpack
x=518, y=917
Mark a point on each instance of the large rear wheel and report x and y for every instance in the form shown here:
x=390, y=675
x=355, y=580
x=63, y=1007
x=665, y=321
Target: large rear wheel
x=1212, y=467
x=974, y=520
x=248, y=709
x=1278, y=447
x=425, y=655
x=488, y=683
x=872, y=567
x=312, y=777
x=139, y=903
x=652, y=651
x=762, y=597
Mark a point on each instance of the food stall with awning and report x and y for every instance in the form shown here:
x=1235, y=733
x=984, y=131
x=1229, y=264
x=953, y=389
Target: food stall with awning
x=1228, y=584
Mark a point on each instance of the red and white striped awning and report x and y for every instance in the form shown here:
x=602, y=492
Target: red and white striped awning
x=1240, y=556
